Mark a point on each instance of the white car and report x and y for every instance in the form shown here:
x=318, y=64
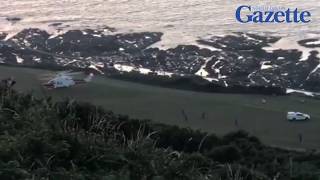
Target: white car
x=297, y=116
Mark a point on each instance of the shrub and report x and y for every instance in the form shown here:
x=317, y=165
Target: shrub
x=225, y=154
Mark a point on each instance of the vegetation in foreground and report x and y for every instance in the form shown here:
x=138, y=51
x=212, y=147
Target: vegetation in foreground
x=41, y=139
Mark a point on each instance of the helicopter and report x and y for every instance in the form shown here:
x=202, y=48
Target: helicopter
x=67, y=79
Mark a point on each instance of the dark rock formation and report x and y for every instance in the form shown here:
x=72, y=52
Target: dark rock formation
x=55, y=24
x=3, y=36
x=13, y=19
x=310, y=43
x=240, y=60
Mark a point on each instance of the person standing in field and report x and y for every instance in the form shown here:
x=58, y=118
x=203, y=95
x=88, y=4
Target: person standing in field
x=236, y=122
x=300, y=138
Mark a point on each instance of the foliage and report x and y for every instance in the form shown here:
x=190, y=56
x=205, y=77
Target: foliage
x=42, y=139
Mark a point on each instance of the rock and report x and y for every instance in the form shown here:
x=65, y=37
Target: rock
x=13, y=19
x=240, y=63
x=136, y=42
x=55, y=24
x=31, y=38
x=240, y=41
x=83, y=42
x=3, y=36
x=111, y=29
x=310, y=43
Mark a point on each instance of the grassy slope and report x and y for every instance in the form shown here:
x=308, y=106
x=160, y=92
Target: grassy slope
x=267, y=121
x=40, y=139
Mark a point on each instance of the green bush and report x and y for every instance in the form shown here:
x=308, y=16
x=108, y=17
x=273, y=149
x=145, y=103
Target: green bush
x=42, y=139
x=225, y=154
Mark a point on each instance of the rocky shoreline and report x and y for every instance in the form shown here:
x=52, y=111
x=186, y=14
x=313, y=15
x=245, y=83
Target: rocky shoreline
x=233, y=60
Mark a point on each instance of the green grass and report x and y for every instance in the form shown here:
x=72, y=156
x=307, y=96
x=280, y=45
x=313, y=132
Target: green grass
x=266, y=121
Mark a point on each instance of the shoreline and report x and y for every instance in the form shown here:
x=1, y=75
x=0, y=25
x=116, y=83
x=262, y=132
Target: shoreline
x=242, y=59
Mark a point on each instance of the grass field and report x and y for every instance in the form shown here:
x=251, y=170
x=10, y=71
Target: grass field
x=217, y=113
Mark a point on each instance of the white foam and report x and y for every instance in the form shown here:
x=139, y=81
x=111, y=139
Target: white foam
x=313, y=43
x=19, y=59
x=225, y=84
x=202, y=72
x=265, y=66
x=266, y=80
x=164, y=73
x=36, y=59
x=307, y=93
x=70, y=62
x=95, y=68
x=313, y=71
x=144, y=71
x=125, y=68
x=97, y=35
x=130, y=42
x=211, y=79
x=207, y=47
x=100, y=64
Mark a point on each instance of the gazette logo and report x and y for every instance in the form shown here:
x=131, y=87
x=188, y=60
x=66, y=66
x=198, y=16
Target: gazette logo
x=268, y=14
